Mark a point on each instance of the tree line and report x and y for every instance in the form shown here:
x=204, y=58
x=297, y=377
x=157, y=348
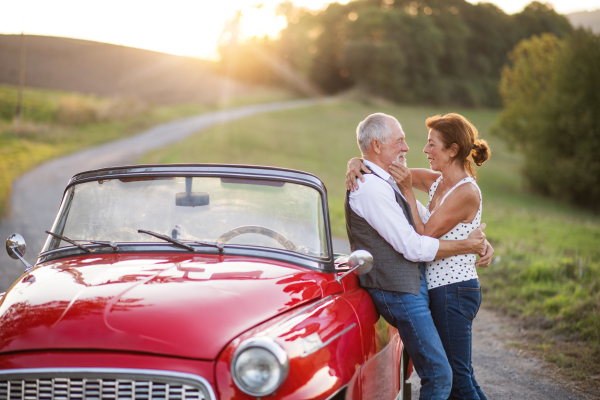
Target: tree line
x=544, y=73
x=427, y=52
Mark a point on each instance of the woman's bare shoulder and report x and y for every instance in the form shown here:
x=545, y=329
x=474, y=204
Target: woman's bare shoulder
x=466, y=193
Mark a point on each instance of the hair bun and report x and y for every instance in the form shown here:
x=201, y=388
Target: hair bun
x=480, y=152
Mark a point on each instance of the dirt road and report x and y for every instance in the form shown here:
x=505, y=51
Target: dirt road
x=502, y=373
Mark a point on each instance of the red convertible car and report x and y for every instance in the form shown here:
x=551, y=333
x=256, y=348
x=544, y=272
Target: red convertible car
x=195, y=282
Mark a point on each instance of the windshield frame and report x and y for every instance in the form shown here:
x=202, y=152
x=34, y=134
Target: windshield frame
x=325, y=264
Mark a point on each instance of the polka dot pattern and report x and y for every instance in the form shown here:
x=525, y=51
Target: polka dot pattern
x=456, y=268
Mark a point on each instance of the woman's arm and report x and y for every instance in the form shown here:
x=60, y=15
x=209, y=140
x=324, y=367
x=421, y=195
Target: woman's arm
x=422, y=178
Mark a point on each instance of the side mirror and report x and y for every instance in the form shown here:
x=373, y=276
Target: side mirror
x=15, y=247
x=360, y=261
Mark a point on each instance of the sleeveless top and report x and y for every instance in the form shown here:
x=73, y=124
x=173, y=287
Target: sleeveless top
x=456, y=268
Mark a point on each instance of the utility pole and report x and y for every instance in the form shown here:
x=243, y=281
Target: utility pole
x=22, y=65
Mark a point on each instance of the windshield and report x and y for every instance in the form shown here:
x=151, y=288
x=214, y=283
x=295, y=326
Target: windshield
x=271, y=214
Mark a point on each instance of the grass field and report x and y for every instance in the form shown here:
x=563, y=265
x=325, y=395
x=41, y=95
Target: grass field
x=547, y=260
x=56, y=123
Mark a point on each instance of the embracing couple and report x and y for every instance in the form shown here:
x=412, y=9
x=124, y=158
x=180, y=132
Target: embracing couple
x=423, y=280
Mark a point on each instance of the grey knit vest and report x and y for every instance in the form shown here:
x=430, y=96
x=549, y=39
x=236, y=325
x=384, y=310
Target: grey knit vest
x=391, y=271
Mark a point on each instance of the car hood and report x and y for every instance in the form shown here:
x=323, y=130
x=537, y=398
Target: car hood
x=163, y=304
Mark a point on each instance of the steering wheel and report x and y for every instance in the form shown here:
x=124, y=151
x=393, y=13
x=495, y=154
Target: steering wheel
x=242, y=230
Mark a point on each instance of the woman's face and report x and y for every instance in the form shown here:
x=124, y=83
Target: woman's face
x=438, y=156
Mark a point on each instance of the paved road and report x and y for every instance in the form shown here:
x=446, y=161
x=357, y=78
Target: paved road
x=501, y=372
x=36, y=195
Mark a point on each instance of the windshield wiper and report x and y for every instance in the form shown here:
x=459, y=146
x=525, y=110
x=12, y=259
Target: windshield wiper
x=217, y=245
x=66, y=239
x=110, y=244
x=167, y=238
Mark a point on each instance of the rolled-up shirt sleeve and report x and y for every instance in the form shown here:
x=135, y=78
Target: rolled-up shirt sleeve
x=375, y=201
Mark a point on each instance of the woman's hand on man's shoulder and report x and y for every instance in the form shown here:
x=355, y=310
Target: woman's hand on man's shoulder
x=354, y=172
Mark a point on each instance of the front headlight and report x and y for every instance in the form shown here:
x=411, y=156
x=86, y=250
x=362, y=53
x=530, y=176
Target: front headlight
x=259, y=366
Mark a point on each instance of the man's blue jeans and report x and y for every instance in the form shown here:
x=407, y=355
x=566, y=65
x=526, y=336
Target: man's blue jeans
x=453, y=308
x=411, y=316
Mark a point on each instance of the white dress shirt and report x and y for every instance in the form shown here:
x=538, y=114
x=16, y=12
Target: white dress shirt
x=375, y=201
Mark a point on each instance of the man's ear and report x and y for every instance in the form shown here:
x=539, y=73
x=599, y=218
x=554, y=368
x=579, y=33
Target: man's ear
x=376, y=144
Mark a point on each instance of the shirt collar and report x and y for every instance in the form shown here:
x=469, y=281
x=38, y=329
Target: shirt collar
x=377, y=169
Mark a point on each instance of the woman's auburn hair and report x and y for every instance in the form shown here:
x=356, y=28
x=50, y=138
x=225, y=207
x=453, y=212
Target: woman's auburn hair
x=454, y=128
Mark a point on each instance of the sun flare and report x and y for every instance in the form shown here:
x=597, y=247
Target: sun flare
x=261, y=22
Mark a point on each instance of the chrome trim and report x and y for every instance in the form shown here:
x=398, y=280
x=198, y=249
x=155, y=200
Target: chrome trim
x=181, y=377
x=233, y=170
x=325, y=344
x=271, y=346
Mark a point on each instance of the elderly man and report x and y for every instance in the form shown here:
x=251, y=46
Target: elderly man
x=378, y=219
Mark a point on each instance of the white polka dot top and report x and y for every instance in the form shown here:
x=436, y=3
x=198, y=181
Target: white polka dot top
x=456, y=268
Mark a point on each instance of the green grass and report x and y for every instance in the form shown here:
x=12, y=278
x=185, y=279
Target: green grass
x=547, y=263
x=56, y=123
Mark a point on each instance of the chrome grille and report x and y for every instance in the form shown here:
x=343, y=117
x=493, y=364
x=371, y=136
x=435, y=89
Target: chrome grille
x=101, y=384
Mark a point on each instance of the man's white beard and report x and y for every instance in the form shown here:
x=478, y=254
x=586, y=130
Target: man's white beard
x=401, y=160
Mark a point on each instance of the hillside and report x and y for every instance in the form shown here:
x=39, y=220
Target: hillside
x=586, y=19
x=111, y=70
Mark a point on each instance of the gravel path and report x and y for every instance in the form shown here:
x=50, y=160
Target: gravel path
x=502, y=372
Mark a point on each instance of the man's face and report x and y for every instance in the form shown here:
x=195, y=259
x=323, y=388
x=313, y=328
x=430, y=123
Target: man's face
x=395, y=147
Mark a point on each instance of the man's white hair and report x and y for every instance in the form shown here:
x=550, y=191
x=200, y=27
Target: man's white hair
x=375, y=126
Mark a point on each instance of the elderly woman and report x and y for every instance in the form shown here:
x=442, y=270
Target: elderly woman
x=454, y=210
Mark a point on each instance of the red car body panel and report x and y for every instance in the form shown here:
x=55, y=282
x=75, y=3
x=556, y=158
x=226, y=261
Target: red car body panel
x=110, y=303
x=150, y=303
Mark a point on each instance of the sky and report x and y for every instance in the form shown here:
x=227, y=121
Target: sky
x=182, y=27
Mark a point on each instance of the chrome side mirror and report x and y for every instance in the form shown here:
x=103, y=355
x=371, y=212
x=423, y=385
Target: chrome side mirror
x=360, y=261
x=15, y=247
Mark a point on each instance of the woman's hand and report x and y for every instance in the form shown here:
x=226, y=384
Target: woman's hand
x=354, y=172
x=402, y=176
x=486, y=257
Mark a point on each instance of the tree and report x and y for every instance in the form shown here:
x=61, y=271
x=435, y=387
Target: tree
x=524, y=88
x=551, y=95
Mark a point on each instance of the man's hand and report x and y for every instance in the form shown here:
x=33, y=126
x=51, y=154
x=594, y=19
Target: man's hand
x=487, y=256
x=353, y=173
x=402, y=176
x=478, y=236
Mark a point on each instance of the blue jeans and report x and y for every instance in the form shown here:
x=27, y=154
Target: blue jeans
x=453, y=308
x=411, y=316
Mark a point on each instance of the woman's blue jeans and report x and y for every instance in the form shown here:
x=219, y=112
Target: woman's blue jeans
x=453, y=308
